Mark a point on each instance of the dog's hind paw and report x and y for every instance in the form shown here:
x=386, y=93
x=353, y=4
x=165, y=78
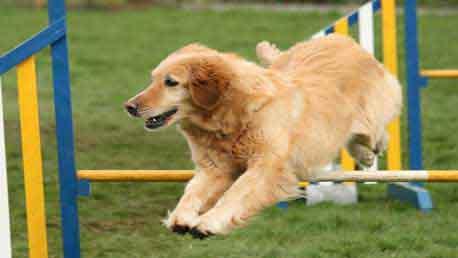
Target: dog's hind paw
x=366, y=159
x=267, y=52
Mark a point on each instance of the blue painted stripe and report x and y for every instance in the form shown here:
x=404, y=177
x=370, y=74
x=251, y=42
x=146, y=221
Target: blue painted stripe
x=414, y=84
x=52, y=33
x=376, y=6
x=68, y=183
x=414, y=195
x=84, y=188
x=282, y=205
x=353, y=18
x=329, y=30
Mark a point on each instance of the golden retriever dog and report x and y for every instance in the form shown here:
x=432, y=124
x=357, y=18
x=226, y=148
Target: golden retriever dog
x=255, y=131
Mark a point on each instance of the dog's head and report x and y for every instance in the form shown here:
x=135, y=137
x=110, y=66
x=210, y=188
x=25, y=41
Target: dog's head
x=192, y=79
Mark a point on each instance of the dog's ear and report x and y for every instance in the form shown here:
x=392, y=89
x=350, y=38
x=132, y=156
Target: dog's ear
x=209, y=79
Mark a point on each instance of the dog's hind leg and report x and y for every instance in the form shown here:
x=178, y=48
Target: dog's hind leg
x=361, y=149
x=267, y=53
x=382, y=143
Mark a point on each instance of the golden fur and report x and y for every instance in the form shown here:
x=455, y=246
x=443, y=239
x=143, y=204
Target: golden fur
x=254, y=131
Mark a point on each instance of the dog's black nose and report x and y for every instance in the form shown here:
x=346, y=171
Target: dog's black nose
x=132, y=109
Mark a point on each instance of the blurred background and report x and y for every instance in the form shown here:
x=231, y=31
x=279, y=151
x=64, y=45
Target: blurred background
x=115, y=4
x=113, y=46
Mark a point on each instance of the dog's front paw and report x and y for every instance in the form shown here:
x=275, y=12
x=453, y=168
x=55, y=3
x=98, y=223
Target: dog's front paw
x=209, y=226
x=180, y=229
x=181, y=222
x=199, y=234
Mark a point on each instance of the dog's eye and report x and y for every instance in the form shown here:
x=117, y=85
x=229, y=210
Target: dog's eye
x=170, y=82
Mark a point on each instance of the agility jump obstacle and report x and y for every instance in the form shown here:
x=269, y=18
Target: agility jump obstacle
x=73, y=183
x=388, y=176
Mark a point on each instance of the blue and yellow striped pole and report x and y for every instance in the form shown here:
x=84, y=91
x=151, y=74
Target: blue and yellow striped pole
x=68, y=183
x=32, y=160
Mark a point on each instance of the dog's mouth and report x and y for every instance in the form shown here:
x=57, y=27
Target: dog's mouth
x=160, y=120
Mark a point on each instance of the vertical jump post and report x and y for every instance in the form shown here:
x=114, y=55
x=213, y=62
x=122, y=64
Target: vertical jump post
x=412, y=193
x=32, y=158
x=68, y=183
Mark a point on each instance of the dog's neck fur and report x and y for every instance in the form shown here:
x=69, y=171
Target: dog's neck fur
x=235, y=112
x=223, y=120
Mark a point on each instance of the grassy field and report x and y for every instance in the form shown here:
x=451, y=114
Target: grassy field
x=111, y=55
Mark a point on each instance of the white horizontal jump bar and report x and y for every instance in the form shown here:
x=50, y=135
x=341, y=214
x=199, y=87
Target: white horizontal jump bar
x=385, y=176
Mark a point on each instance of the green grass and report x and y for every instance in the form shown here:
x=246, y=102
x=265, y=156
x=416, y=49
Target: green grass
x=111, y=55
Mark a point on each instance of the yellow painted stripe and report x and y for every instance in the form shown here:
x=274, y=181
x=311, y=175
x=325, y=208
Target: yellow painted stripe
x=341, y=26
x=449, y=73
x=394, y=145
x=141, y=176
x=32, y=161
x=442, y=176
x=303, y=184
x=136, y=175
x=390, y=58
x=347, y=163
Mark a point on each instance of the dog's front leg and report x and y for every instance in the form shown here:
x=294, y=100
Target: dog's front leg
x=200, y=194
x=259, y=187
